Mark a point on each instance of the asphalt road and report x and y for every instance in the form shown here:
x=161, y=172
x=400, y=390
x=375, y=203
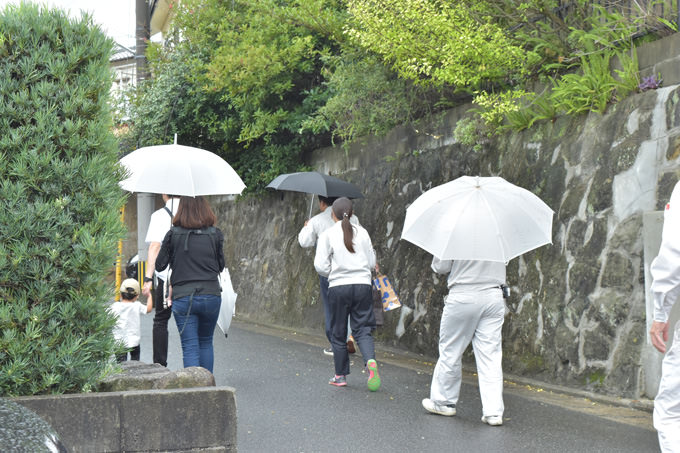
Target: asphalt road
x=285, y=404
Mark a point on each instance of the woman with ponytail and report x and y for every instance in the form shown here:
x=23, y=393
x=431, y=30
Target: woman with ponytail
x=345, y=255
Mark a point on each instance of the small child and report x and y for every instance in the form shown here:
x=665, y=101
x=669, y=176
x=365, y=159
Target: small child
x=128, y=311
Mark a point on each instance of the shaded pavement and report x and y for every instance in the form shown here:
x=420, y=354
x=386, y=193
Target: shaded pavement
x=285, y=404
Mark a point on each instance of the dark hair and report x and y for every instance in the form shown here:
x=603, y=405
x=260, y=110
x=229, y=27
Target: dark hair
x=328, y=200
x=194, y=213
x=128, y=295
x=342, y=209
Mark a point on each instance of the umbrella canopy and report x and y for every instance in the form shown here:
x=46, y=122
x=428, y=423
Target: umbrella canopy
x=478, y=218
x=179, y=170
x=315, y=183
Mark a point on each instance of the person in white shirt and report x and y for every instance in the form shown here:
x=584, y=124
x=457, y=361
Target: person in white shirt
x=128, y=311
x=474, y=311
x=665, y=270
x=345, y=255
x=308, y=237
x=159, y=225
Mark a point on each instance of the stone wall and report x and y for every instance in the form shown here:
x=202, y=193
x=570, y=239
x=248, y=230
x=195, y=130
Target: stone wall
x=577, y=311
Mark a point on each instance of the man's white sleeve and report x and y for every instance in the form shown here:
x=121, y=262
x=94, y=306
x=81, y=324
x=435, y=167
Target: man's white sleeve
x=369, y=251
x=665, y=268
x=441, y=266
x=307, y=236
x=157, y=228
x=322, y=258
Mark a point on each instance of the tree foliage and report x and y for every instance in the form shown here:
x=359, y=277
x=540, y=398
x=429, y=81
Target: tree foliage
x=437, y=41
x=265, y=82
x=240, y=82
x=555, y=29
x=366, y=97
x=59, y=202
x=174, y=102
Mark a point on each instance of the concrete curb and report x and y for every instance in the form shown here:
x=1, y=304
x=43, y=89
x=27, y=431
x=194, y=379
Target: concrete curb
x=646, y=405
x=173, y=420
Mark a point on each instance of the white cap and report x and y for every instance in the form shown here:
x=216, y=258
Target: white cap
x=130, y=286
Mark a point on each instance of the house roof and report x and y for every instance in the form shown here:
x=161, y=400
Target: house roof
x=120, y=52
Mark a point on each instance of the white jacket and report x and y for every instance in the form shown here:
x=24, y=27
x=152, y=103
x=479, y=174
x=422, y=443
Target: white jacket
x=310, y=233
x=467, y=272
x=128, y=324
x=334, y=261
x=665, y=268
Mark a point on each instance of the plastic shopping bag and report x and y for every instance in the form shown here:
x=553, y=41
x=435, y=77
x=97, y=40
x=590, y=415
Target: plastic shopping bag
x=390, y=301
x=228, y=307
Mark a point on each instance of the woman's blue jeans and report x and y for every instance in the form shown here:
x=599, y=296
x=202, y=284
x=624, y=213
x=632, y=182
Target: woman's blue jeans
x=196, y=317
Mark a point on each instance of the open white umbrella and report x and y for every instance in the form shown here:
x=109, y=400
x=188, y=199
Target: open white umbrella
x=478, y=218
x=179, y=170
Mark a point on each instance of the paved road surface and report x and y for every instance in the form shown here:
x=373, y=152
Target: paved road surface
x=285, y=404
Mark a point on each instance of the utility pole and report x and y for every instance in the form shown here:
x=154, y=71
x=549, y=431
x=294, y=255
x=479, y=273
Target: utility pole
x=142, y=35
x=145, y=201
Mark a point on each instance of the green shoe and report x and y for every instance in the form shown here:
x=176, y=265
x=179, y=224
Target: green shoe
x=373, y=376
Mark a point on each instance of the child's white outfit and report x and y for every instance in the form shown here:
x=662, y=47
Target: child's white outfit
x=128, y=328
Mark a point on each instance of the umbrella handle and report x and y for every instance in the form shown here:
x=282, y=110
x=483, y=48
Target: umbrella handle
x=311, y=204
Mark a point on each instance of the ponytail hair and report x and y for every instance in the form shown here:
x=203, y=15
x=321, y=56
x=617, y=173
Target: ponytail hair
x=342, y=209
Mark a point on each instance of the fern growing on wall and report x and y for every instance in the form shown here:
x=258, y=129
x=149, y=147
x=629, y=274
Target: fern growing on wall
x=59, y=202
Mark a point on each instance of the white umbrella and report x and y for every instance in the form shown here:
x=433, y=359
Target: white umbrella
x=179, y=170
x=478, y=218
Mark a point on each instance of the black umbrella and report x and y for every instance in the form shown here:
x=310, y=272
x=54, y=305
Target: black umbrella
x=315, y=183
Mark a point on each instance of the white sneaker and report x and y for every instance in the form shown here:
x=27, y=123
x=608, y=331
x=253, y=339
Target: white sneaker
x=440, y=409
x=493, y=420
x=328, y=351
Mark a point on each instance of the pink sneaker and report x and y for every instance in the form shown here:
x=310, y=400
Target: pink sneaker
x=338, y=381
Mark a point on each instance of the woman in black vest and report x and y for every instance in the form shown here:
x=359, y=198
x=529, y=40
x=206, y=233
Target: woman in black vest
x=194, y=249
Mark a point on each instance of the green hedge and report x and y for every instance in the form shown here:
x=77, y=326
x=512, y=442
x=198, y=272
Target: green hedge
x=59, y=202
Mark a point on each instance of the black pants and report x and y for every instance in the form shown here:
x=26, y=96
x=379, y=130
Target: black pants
x=160, y=326
x=134, y=354
x=357, y=302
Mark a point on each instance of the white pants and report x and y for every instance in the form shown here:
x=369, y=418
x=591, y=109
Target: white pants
x=477, y=317
x=667, y=401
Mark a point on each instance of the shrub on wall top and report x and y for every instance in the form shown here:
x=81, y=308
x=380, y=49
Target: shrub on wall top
x=59, y=202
